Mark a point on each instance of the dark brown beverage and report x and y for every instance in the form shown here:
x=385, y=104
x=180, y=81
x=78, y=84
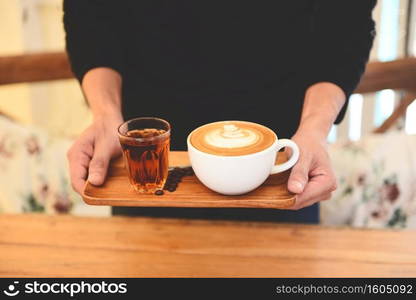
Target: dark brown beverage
x=146, y=155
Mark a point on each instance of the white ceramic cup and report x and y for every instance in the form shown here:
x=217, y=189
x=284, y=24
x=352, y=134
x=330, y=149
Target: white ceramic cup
x=236, y=175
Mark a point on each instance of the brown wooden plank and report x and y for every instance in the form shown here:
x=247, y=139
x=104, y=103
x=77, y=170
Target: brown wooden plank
x=398, y=74
x=35, y=245
x=117, y=191
x=34, y=67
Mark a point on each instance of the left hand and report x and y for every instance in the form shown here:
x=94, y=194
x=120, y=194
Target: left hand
x=312, y=178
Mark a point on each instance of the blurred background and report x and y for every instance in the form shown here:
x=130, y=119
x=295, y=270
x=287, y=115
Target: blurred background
x=57, y=106
x=374, y=156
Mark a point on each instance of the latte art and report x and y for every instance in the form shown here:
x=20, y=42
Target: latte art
x=232, y=138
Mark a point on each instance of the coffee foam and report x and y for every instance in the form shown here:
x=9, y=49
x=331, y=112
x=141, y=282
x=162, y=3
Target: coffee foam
x=232, y=138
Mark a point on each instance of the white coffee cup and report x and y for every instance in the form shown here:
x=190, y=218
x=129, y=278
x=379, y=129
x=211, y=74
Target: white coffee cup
x=236, y=175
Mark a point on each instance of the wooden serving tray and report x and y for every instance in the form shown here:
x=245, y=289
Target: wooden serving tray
x=116, y=191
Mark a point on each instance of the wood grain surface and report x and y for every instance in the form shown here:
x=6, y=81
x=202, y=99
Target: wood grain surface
x=46, y=246
x=117, y=191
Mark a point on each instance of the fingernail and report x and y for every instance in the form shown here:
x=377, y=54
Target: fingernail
x=94, y=178
x=297, y=186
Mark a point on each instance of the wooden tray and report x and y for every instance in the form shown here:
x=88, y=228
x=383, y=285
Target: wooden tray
x=116, y=191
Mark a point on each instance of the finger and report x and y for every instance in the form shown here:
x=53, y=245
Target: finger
x=318, y=187
x=302, y=204
x=78, y=166
x=99, y=164
x=299, y=176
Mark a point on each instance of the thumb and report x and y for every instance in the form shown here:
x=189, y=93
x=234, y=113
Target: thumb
x=299, y=177
x=98, y=166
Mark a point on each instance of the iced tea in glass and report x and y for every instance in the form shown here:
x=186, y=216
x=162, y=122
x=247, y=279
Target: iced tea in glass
x=145, y=143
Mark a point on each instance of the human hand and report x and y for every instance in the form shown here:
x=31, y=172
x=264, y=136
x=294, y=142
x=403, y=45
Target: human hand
x=91, y=153
x=312, y=178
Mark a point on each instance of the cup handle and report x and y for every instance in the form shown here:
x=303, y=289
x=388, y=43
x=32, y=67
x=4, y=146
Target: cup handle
x=293, y=158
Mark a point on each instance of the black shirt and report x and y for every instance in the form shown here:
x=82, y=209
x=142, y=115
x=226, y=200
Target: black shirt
x=194, y=62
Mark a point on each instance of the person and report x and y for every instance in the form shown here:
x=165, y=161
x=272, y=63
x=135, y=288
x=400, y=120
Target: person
x=289, y=65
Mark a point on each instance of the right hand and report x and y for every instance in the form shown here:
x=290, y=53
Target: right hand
x=91, y=153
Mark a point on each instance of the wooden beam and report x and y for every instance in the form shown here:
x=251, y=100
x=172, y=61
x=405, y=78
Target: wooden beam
x=397, y=75
x=34, y=67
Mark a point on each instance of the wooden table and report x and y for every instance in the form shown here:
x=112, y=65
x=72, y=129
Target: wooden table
x=47, y=246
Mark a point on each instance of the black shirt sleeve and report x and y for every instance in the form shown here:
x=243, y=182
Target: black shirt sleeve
x=342, y=36
x=92, y=35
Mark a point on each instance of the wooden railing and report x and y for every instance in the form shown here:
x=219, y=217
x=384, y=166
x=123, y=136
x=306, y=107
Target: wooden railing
x=397, y=75
x=34, y=68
